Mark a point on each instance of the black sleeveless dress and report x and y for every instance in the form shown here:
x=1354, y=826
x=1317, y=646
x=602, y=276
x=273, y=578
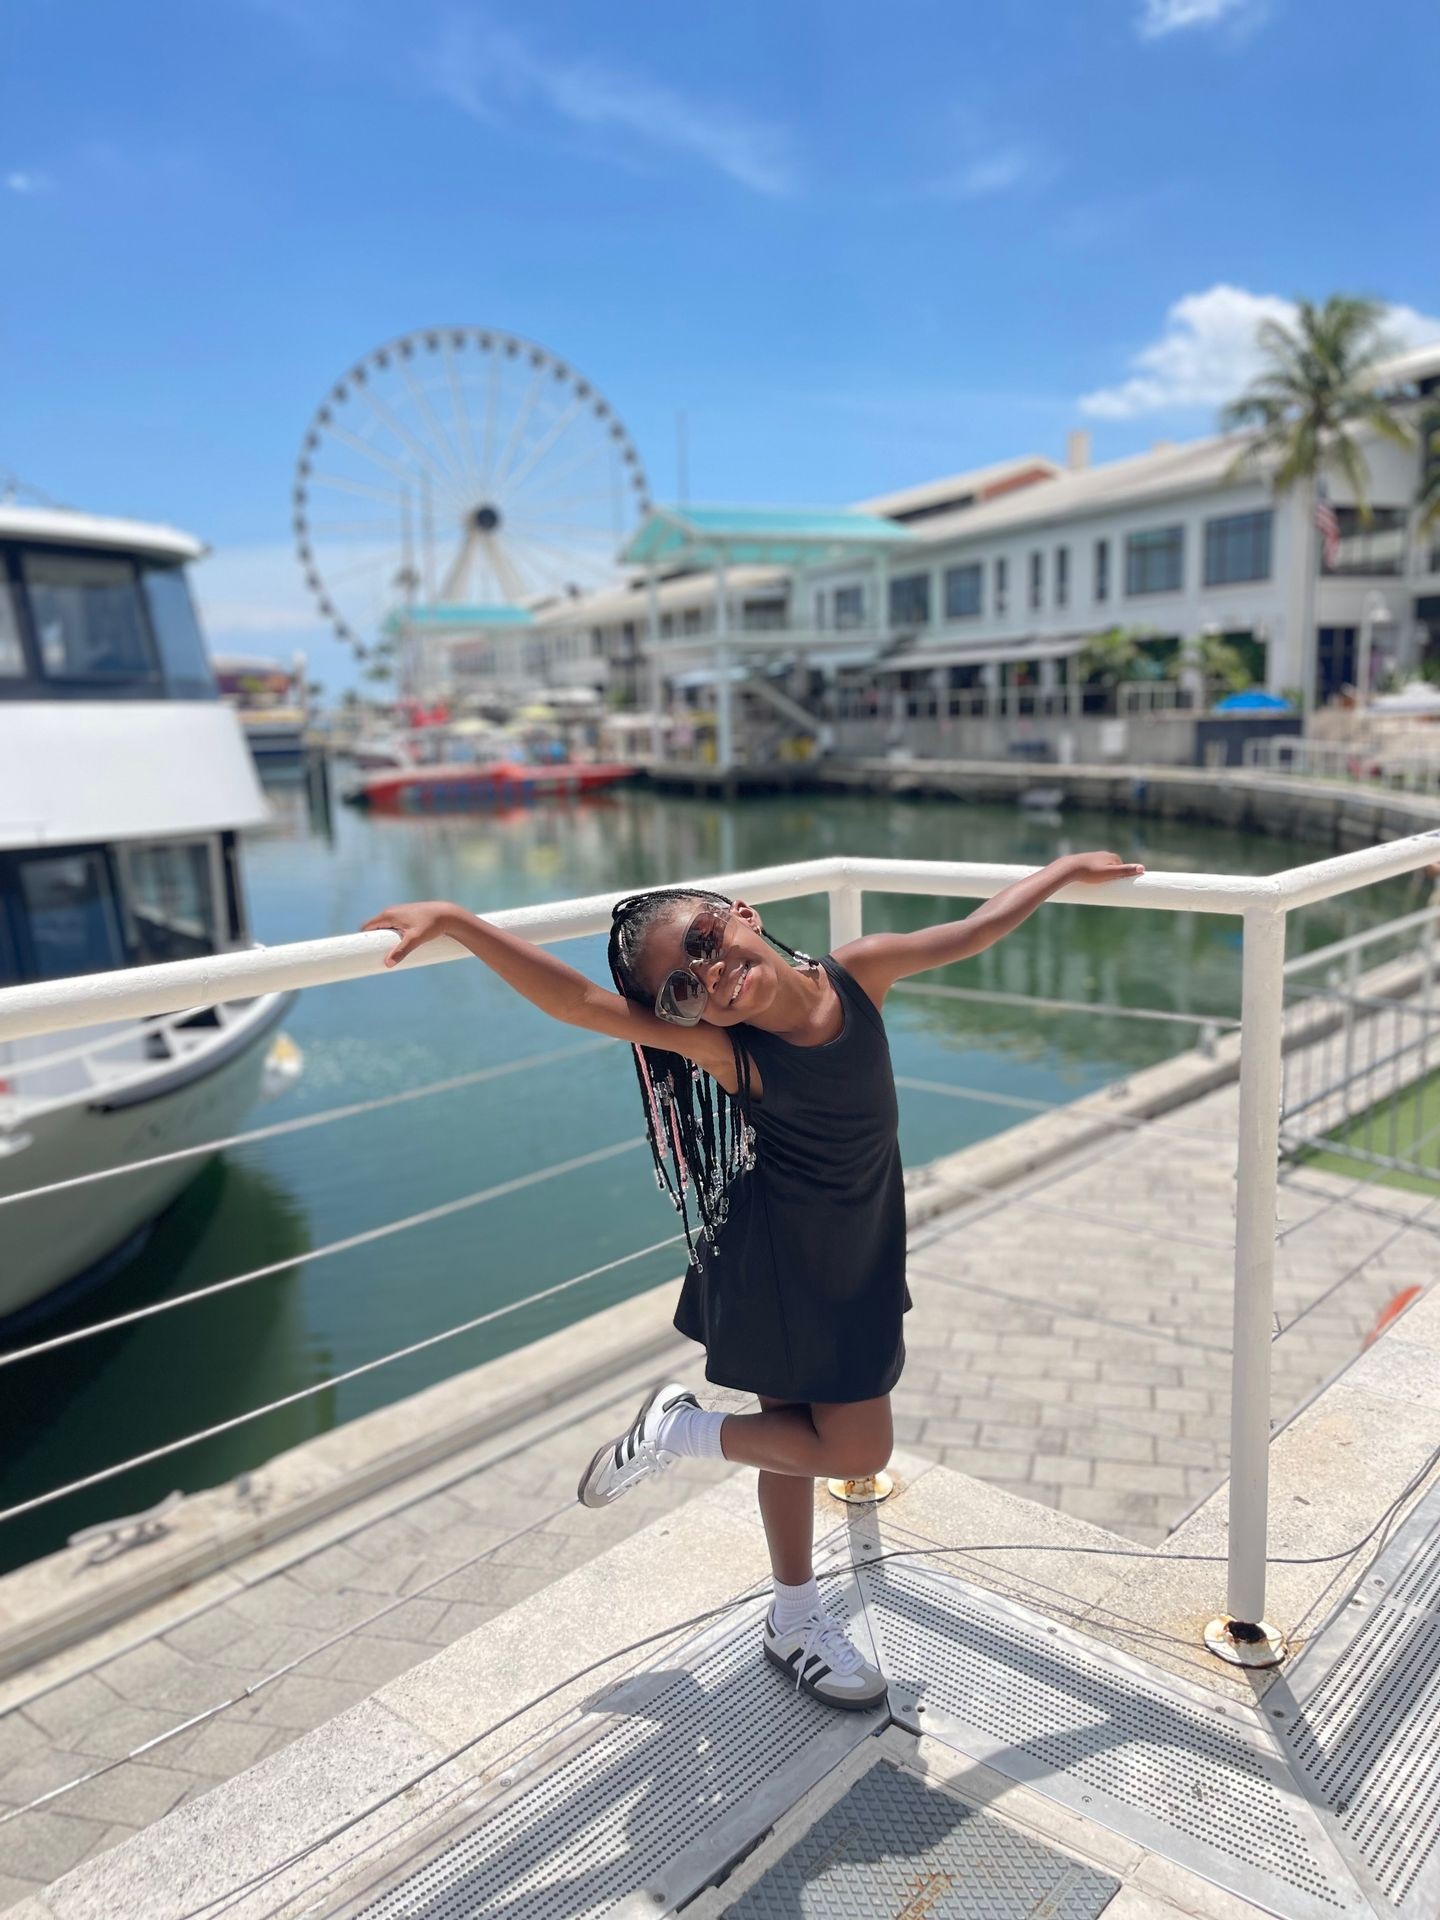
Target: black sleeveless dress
x=801, y=1295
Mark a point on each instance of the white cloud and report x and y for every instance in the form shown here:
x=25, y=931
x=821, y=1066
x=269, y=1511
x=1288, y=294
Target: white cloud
x=1161, y=17
x=992, y=173
x=1208, y=353
x=488, y=72
x=248, y=593
x=26, y=180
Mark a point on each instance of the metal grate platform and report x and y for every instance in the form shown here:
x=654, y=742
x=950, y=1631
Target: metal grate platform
x=1361, y=1721
x=1322, y=1803
x=1194, y=1778
x=683, y=1768
x=894, y=1845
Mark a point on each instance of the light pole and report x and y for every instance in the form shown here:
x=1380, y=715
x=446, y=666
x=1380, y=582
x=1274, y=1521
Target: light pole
x=1376, y=614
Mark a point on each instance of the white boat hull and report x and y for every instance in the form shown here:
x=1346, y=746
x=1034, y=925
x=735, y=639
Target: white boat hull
x=50, y=1240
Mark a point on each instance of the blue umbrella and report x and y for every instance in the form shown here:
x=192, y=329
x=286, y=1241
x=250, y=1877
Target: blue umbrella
x=1253, y=700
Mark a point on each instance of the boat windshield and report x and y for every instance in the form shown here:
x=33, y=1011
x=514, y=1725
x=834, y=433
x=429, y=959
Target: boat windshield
x=69, y=914
x=117, y=622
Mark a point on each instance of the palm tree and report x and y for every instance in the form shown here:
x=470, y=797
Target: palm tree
x=1316, y=388
x=1216, y=661
x=1108, y=657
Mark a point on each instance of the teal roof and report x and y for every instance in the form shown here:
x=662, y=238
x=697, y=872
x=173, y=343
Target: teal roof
x=759, y=536
x=458, y=616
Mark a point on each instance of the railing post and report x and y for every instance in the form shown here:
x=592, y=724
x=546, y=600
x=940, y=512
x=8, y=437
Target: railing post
x=1243, y=1635
x=844, y=914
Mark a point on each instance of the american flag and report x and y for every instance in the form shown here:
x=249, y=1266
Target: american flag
x=1328, y=523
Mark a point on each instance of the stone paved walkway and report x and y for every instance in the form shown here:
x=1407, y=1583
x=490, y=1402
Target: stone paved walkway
x=1069, y=1340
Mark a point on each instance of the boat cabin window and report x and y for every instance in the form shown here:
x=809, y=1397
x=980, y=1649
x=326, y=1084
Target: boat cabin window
x=69, y=915
x=88, y=617
x=170, y=900
x=177, y=633
x=12, y=654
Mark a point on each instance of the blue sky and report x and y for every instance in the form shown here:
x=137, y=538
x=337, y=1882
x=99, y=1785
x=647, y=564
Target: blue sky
x=857, y=247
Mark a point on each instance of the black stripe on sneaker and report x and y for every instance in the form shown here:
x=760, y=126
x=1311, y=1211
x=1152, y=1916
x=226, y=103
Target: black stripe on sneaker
x=814, y=1679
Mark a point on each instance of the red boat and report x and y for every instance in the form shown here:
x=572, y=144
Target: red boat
x=456, y=787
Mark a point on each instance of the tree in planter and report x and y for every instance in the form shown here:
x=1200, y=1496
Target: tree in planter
x=1316, y=387
x=1220, y=665
x=1108, y=658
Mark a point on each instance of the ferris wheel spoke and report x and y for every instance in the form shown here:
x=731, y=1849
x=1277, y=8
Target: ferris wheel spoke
x=348, y=529
x=587, y=529
x=563, y=557
x=398, y=427
x=511, y=584
x=492, y=401
x=356, y=486
x=418, y=394
x=362, y=567
x=543, y=445
x=517, y=430
x=367, y=452
x=459, y=569
x=582, y=459
x=461, y=412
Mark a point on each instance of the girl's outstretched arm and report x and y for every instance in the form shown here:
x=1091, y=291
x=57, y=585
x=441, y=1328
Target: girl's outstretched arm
x=557, y=989
x=887, y=957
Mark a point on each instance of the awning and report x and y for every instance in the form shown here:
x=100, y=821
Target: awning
x=705, y=676
x=760, y=536
x=826, y=659
x=915, y=658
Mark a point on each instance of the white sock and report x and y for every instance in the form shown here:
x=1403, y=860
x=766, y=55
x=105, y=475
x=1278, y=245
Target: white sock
x=692, y=1433
x=792, y=1604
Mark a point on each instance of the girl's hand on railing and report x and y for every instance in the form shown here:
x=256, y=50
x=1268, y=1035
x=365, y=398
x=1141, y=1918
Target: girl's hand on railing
x=416, y=922
x=1098, y=866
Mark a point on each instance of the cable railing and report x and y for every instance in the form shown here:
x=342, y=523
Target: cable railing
x=1261, y=903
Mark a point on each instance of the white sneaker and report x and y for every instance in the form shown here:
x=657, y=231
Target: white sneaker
x=825, y=1661
x=636, y=1454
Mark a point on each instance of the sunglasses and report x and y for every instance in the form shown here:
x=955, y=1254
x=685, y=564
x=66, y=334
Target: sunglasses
x=681, y=999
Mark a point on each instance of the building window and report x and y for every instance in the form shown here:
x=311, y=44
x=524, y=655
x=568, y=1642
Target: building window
x=1376, y=547
x=1002, y=585
x=1237, y=547
x=1154, y=560
x=910, y=600
x=1102, y=569
x=962, y=591
x=1037, y=580
x=849, y=607
x=1062, y=576
x=1335, y=660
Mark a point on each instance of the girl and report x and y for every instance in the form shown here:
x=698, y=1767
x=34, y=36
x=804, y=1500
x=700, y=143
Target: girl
x=770, y=1106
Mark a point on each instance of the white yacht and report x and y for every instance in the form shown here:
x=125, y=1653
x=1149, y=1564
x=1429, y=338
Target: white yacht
x=124, y=785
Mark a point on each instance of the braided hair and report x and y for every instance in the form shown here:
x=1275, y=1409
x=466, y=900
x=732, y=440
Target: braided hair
x=696, y=1128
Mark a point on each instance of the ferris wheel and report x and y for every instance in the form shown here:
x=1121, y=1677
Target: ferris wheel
x=460, y=467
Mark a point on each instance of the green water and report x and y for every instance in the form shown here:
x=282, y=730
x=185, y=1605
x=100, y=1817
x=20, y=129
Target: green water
x=72, y=1413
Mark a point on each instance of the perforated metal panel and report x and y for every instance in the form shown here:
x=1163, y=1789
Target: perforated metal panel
x=1362, y=1719
x=895, y=1846
x=698, y=1760
x=1197, y=1780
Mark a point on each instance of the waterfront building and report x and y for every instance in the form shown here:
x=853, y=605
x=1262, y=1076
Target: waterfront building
x=997, y=579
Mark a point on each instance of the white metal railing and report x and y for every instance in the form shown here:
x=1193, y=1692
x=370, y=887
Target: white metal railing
x=1260, y=902
x=1373, y=764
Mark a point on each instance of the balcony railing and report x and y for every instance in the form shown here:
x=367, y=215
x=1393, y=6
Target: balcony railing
x=1260, y=904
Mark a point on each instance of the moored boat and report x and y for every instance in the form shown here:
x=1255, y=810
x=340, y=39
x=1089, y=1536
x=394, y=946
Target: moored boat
x=125, y=783
x=459, y=786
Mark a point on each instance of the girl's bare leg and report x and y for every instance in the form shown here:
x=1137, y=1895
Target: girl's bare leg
x=787, y=1506
x=839, y=1439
